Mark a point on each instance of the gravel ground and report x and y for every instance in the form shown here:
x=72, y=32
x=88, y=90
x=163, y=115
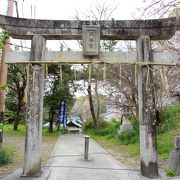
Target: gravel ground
x=16, y=143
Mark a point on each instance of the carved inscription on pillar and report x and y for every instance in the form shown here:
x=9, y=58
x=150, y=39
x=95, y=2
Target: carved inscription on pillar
x=91, y=40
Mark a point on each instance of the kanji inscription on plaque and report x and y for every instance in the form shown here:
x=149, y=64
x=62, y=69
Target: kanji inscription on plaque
x=91, y=40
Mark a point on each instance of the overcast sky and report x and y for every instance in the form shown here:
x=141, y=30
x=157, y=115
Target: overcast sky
x=66, y=9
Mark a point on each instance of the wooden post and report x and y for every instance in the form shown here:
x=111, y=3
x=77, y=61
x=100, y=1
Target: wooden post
x=32, y=159
x=147, y=117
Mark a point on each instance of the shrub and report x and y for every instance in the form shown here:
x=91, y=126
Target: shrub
x=88, y=124
x=6, y=156
x=113, y=127
x=170, y=172
x=128, y=137
x=104, y=128
x=102, y=123
x=108, y=129
x=9, y=116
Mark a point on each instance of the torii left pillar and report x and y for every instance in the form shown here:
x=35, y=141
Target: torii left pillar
x=34, y=114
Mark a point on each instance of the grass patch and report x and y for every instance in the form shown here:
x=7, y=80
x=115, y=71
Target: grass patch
x=165, y=142
x=6, y=156
x=45, y=132
x=8, y=129
x=171, y=119
x=168, y=130
x=111, y=143
x=21, y=131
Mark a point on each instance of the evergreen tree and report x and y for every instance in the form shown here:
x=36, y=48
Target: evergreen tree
x=57, y=90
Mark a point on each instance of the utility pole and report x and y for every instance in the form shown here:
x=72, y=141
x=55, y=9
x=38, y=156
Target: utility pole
x=3, y=73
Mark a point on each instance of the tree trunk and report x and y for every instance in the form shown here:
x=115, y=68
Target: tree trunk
x=16, y=121
x=51, y=119
x=17, y=116
x=91, y=106
x=97, y=98
x=1, y=127
x=134, y=95
x=98, y=107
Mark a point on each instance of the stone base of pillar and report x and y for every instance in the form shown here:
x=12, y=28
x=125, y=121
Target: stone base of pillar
x=150, y=171
x=32, y=175
x=18, y=175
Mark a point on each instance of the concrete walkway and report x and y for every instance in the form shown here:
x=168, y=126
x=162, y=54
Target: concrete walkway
x=67, y=162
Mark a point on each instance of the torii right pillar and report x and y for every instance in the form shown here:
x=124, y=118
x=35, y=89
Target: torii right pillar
x=147, y=116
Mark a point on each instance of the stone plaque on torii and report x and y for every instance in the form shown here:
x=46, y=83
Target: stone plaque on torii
x=143, y=31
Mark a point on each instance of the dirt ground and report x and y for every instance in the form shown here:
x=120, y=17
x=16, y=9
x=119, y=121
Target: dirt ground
x=17, y=145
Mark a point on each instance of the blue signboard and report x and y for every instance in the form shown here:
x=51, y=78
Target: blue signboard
x=62, y=116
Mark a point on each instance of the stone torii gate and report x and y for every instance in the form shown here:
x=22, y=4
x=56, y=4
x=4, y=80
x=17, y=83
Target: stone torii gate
x=143, y=31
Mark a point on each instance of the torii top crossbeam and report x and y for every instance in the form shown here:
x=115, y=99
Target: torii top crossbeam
x=156, y=29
